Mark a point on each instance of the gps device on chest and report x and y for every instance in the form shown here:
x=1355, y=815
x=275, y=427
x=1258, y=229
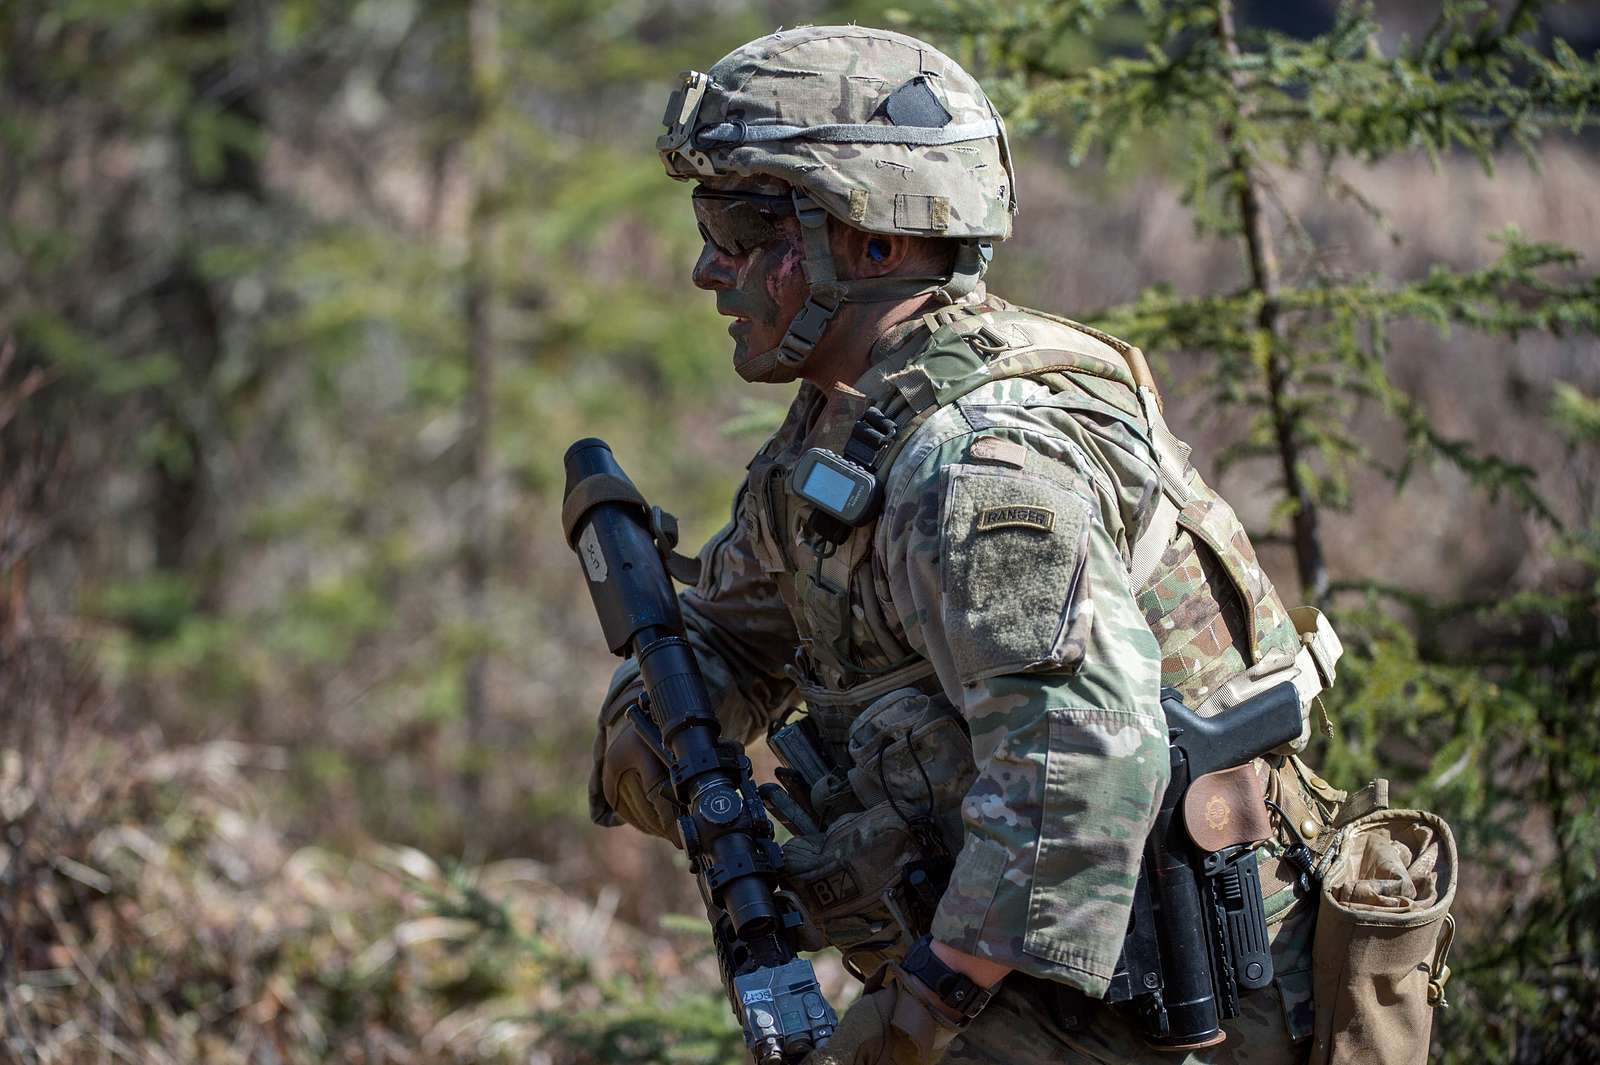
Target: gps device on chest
x=836, y=486
x=844, y=489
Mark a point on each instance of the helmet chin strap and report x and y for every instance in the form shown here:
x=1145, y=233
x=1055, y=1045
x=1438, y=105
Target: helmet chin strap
x=827, y=293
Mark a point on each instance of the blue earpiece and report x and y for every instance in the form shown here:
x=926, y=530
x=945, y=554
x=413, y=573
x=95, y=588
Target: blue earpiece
x=877, y=250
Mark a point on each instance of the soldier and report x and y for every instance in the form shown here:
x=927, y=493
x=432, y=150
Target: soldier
x=977, y=587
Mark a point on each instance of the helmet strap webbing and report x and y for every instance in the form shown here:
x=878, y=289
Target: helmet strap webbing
x=972, y=261
x=827, y=293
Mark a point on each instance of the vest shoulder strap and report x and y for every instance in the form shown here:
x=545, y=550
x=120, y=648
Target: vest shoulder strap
x=970, y=347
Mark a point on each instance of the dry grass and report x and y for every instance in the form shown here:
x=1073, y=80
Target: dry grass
x=155, y=913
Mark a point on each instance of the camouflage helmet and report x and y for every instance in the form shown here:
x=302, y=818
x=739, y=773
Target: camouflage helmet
x=880, y=130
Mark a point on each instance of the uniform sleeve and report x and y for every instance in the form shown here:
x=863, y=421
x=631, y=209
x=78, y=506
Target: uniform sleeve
x=741, y=632
x=1005, y=577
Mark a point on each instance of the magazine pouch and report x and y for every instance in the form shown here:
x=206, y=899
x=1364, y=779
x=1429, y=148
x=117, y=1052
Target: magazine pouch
x=871, y=878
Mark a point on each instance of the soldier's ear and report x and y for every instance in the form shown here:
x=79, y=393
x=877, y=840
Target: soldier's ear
x=875, y=254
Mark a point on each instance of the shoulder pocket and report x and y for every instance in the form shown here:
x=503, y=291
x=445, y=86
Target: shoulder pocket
x=1011, y=568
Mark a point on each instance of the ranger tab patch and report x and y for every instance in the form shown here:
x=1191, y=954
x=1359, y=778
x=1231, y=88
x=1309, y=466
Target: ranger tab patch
x=1016, y=516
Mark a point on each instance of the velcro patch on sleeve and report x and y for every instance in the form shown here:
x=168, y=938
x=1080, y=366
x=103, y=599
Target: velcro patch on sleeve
x=1011, y=563
x=998, y=451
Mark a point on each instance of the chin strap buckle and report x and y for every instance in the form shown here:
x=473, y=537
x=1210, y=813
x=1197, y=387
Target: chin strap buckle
x=806, y=329
x=826, y=295
x=811, y=214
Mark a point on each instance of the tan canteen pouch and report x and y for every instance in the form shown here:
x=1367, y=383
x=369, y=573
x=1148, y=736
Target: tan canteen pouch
x=1383, y=930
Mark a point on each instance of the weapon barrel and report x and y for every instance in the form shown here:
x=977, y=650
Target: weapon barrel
x=740, y=879
x=608, y=523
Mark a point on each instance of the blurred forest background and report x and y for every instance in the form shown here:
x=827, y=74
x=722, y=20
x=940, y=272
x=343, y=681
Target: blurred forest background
x=302, y=301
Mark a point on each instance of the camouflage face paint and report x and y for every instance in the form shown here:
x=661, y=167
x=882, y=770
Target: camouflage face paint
x=752, y=259
x=768, y=289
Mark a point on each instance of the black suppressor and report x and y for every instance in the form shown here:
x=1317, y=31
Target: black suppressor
x=1197, y=938
x=725, y=831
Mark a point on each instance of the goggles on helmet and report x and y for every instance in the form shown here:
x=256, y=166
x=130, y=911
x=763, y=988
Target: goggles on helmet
x=738, y=222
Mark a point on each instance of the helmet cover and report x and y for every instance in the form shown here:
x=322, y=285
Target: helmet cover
x=885, y=132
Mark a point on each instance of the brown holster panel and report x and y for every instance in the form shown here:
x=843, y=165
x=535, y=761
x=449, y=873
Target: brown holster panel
x=1224, y=808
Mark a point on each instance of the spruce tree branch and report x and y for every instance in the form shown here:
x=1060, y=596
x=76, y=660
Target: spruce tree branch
x=1505, y=297
x=1478, y=89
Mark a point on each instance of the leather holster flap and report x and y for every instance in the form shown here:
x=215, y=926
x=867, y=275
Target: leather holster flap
x=1224, y=808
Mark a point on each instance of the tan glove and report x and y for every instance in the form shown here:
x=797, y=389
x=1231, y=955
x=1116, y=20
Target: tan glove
x=892, y=1024
x=629, y=782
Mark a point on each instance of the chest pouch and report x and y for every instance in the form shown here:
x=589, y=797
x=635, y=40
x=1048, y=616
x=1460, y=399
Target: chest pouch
x=872, y=878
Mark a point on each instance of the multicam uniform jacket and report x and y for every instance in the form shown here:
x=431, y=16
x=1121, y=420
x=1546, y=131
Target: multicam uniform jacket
x=996, y=578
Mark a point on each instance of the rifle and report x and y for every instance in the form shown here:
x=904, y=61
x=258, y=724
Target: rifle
x=1197, y=937
x=626, y=550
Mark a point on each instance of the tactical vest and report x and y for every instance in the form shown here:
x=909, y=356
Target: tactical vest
x=1220, y=624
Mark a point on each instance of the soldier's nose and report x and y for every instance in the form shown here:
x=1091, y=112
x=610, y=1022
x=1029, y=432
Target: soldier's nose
x=714, y=270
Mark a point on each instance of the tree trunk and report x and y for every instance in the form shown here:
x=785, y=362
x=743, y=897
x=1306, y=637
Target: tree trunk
x=190, y=308
x=1307, y=540
x=477, y=408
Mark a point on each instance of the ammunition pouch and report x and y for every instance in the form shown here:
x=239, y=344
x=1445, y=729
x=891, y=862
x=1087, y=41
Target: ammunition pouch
x=911, y=750
x=871, y=879
x=1383, y=933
